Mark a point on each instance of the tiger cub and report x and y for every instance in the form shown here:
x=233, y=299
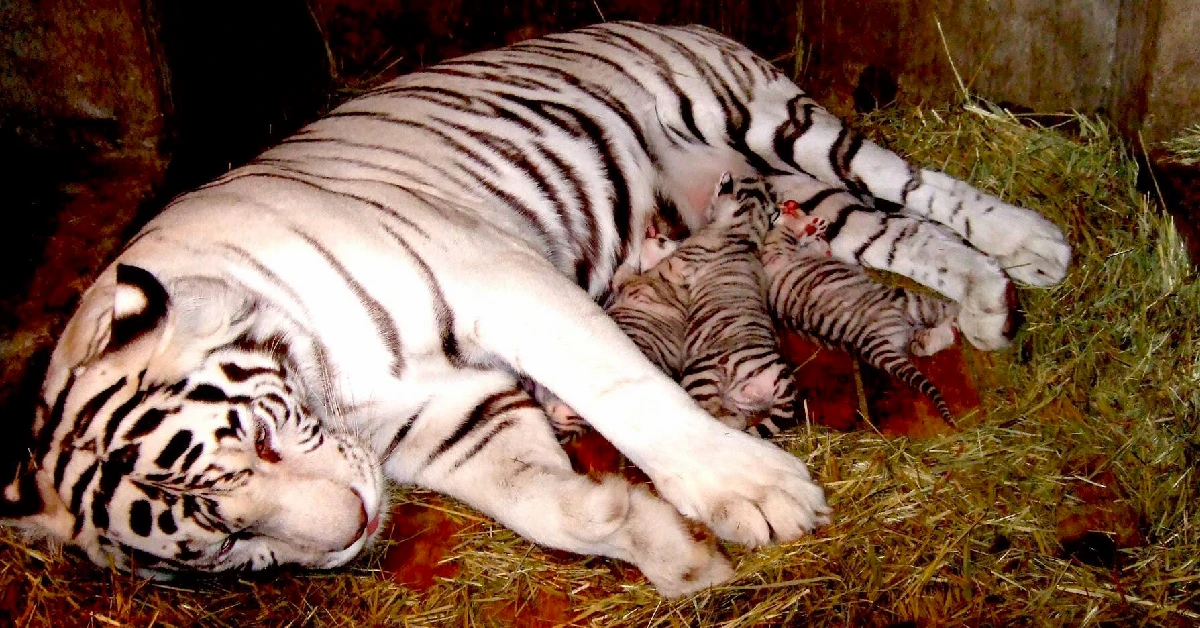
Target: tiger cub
x=731, y=361
x=840, y=306
x=649, y=308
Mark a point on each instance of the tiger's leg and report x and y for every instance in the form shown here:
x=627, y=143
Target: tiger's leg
x=924, y=251
x=792, y=134
x=492, y=448
x=745, y=489
x=790, y=131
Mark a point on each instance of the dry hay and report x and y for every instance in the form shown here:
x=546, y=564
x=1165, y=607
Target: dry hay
x=1093, y=411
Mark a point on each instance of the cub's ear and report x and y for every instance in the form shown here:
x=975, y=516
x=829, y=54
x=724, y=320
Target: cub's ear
x=724, y=185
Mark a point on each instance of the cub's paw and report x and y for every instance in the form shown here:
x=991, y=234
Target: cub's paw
x=931, y=340
x=745, y=489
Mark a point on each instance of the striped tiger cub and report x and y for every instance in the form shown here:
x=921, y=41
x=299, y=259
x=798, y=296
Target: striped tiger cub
x=840, y=306
x=731, y=361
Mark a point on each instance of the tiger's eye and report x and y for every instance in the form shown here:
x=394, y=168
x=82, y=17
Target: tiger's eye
x=262, y=444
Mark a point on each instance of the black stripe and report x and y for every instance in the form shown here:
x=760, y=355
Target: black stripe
x=519, y=160
x=666, y=73
x=621, y=203
x=914, y=182
x=77, y=490
x=589, y=249
x=207, y=393
x=401, y=433
x=362, y=199
x=147, y=423
x=596, y=93
x=237, y=373
x=118, y=416
x=442, y=310
x=862, y=248
x=378, y=314
x=178, y=444
x=391, y=150
x=115, y=468
x=55, y=418
x=141, y=518
x=484, y=410
x=83, y=419
x=799, y=121
x=496, y=429
x=192, y=455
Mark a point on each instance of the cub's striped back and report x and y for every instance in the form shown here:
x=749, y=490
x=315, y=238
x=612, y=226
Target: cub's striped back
x=731, y=363
x=840, y=306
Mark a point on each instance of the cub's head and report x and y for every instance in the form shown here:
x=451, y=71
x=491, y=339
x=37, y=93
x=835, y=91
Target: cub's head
x=743, y=203
x=172, y=437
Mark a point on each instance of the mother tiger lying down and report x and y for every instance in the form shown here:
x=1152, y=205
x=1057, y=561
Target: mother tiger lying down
x=356, y=303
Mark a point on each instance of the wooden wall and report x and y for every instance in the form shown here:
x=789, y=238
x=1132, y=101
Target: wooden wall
x=1134, y=61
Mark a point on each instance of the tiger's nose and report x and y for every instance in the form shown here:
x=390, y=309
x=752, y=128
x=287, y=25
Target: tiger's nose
x=367, y=525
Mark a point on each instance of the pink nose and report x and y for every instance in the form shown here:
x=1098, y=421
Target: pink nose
x=366, y=525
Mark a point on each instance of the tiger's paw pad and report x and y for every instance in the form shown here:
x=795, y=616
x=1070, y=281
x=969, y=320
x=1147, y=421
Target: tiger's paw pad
x=746, y=490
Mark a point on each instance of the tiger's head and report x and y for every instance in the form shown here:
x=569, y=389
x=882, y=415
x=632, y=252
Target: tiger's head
x=743, y=203
x=172, y=436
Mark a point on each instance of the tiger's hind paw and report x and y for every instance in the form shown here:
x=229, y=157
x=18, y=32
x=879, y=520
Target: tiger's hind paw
x=1041, y=258
x=680, y=559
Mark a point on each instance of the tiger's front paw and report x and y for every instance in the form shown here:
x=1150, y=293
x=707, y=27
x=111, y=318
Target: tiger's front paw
x=745, y=489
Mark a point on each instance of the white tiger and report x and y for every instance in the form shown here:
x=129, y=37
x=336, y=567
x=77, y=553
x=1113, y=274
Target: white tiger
x=354, y=303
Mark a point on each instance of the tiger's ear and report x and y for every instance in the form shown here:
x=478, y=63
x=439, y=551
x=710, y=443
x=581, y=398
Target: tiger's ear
x=139, y=305
x=124, y=304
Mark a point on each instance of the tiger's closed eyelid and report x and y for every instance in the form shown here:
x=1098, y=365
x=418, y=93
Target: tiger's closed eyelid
x=264, y=437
